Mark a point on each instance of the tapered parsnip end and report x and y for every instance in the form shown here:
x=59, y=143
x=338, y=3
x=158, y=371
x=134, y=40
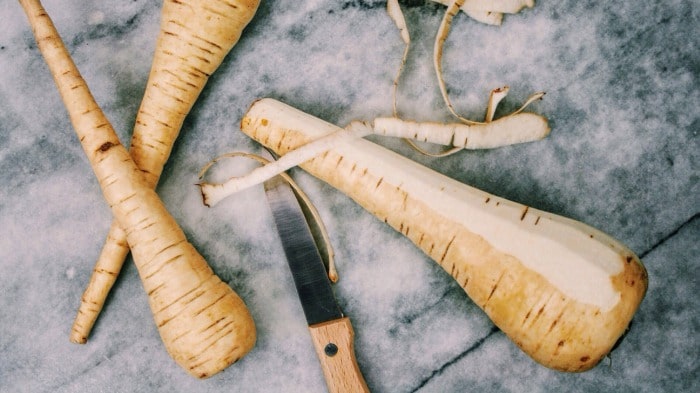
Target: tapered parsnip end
x=562, y=291
x=512, y=129
x=212, y=329
x=78, y=338
x=104, y=275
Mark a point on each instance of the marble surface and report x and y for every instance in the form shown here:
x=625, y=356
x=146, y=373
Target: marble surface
x=622, y=98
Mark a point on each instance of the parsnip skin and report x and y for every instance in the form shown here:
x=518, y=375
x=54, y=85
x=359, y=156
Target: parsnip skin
x=194, y=38
x=559, y=326
x=204, y=324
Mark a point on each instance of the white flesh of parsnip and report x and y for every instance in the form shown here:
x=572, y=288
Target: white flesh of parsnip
x=561, y=290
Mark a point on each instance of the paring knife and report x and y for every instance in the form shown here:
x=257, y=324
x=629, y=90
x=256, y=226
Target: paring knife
x=331, y=331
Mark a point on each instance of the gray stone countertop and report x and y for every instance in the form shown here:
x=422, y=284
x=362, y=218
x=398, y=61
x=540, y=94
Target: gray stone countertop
x=622, y=99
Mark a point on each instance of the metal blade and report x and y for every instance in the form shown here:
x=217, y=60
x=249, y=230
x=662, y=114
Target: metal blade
x=308, y=270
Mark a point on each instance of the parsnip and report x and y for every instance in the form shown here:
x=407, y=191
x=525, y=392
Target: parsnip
x=563, y=291
x=204, y=324
x=194, y=38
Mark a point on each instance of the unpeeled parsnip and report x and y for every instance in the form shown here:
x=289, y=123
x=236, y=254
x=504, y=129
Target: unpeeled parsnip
x=205, y=326
x=194, y=38
x=563, y=291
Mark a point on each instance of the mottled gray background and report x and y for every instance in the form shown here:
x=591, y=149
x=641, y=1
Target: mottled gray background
x=622, y=98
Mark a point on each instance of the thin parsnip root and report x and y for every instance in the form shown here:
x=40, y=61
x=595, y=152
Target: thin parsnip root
x=563, y=291
x=515, y=128
x=194, y=38
x=510, y=130
x=205, y=326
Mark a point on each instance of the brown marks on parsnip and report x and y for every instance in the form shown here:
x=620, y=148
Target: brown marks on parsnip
x=447, y=249
x=522, y=217
x=105, y=147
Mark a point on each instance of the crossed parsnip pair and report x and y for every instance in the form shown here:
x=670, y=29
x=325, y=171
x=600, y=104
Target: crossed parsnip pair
x=204, y=324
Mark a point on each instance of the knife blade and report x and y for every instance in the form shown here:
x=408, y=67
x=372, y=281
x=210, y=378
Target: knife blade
x=331, y=331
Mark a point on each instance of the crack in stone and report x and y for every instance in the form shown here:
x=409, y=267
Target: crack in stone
x=411, y=317
x=457, y=358
x=78, y=375
x=669, y=236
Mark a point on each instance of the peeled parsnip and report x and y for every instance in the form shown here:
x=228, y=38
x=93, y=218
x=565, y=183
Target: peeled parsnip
x=205, y=326
x=563, y=291
x=194, y=38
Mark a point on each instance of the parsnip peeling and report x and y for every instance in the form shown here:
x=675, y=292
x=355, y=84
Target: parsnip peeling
x=488, y=11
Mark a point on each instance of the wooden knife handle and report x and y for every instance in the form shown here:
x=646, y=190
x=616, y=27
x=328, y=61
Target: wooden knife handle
x=334, y=345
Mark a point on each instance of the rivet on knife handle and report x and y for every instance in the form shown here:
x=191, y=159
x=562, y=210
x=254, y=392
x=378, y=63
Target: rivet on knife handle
x=335, y=349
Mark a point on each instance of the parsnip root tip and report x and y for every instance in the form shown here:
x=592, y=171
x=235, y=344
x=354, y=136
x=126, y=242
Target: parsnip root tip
x=78, y=339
